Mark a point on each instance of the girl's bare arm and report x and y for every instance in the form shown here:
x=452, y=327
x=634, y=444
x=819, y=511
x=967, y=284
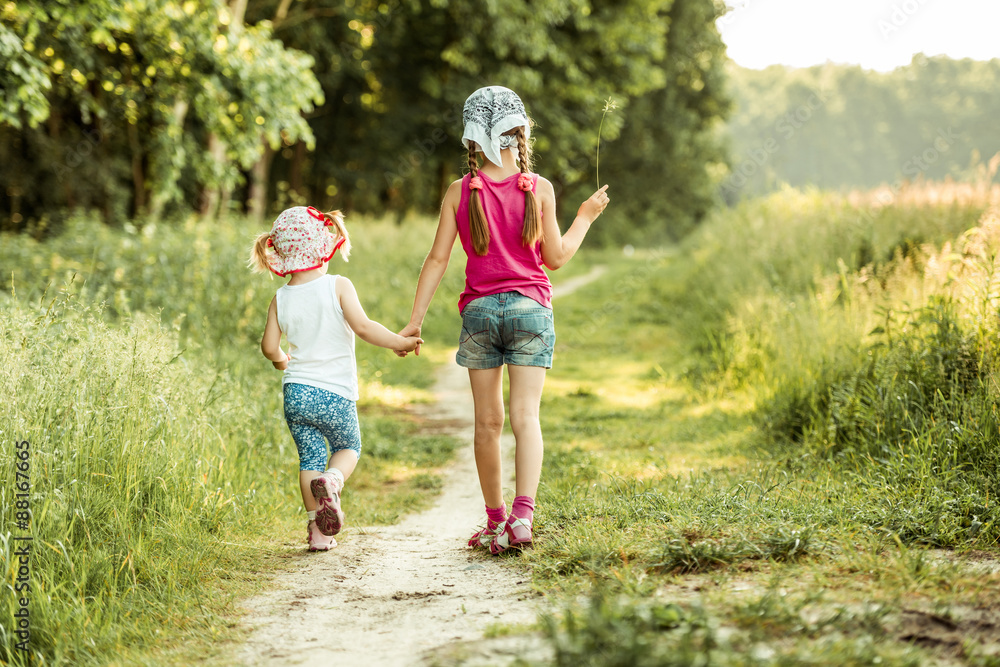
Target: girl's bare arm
x=558, y=248
x=270, y=343
x=437, y=260
x=369, y=330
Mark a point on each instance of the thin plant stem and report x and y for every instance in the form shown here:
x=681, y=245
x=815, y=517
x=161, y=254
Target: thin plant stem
x=599, y=129
x=609, y=105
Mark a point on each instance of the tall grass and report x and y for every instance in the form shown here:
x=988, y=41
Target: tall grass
x=160, y=462
x=139, y=489
x=887, y=368
x=800, y=400
x=193, y=276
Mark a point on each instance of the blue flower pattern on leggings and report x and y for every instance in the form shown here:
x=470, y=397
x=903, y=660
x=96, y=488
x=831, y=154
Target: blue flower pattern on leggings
x=315, y=414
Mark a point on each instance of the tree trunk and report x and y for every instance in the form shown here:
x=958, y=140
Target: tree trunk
x=257, y=198
x=138, y=175
x=55, y=132
x=215, y=200
x=282, y=12
x=210, y=195
x=295, y=172
x=158, y=200
x=238, y=9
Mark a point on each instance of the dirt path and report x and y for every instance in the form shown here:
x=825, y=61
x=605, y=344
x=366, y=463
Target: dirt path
x=392, y=596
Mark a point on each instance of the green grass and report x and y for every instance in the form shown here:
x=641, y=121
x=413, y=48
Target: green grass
x=721, y=482
x=163, y=478
x=772, y=445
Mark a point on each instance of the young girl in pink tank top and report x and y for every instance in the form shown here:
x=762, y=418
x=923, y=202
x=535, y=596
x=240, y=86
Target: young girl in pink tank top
x=506, y=219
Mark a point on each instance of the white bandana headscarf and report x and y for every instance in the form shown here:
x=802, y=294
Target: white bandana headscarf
x=488, y=113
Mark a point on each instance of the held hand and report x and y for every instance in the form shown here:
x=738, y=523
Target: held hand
x=593, y=207
x=410, y=331
x=412, y=343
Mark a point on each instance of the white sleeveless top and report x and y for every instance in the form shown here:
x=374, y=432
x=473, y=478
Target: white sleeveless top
x=321, y=341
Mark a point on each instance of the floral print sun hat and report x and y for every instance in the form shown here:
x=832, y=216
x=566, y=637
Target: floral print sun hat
x=300, y=241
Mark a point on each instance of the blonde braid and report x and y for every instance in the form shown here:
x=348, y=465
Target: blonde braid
x=478, y=227
x=532, y=231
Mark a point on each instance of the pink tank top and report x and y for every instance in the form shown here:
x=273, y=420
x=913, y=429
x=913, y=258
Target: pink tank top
x=508, y=265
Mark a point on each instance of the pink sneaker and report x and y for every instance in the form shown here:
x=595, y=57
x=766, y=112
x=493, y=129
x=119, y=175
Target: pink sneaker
x=326, y=490
x=317, y=540
x=516, y=533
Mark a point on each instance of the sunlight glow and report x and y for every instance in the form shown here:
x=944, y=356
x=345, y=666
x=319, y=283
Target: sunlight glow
x=877, y=34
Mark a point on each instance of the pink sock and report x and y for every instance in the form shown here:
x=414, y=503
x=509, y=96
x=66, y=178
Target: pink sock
x=523, y=507
x=496, y=515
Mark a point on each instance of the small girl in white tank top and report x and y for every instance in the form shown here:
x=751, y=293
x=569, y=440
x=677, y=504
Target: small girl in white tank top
x=319, y=315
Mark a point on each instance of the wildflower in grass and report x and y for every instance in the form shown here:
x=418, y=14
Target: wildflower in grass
x=609, y=105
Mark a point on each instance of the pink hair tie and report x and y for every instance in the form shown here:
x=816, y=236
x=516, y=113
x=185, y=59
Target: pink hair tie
x=475, y=183
x=319, y=216
x=525, y=182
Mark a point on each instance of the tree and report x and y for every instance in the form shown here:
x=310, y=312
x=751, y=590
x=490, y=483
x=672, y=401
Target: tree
x=662, y=168
x=839, y=126
x=403, y=70
x=165, y=105
x=134, y=90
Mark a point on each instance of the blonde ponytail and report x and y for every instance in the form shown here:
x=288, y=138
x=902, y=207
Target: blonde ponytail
x=258, y=254
x=336, y=218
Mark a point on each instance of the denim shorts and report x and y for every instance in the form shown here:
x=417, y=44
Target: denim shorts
x=506, y=328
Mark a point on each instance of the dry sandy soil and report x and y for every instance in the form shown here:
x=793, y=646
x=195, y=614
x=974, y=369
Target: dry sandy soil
x=388, y=595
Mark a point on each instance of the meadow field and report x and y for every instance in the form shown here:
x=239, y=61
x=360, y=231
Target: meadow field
x=162, y=474
x=775, y=443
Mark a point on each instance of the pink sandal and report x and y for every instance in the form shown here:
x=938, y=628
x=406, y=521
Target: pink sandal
x=329, y=516
x=516, y=533
x=486, y=535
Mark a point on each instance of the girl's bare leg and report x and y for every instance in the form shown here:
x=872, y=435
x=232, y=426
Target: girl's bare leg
x=344, y=460
x=487, y=393
x=305, y=477
x=526, y=383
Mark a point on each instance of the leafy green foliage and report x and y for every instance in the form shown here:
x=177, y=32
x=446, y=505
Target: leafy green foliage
x=668, y=143
x=24, y=82
x=136, y=91
x=166, y=106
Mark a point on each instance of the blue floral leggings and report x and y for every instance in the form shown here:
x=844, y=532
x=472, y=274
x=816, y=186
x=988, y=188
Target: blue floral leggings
x=313, y=414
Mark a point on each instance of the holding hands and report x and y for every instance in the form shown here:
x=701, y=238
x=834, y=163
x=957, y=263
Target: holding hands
x=412, y=333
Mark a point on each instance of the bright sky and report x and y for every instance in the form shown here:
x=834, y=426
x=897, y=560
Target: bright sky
x=877, y=34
